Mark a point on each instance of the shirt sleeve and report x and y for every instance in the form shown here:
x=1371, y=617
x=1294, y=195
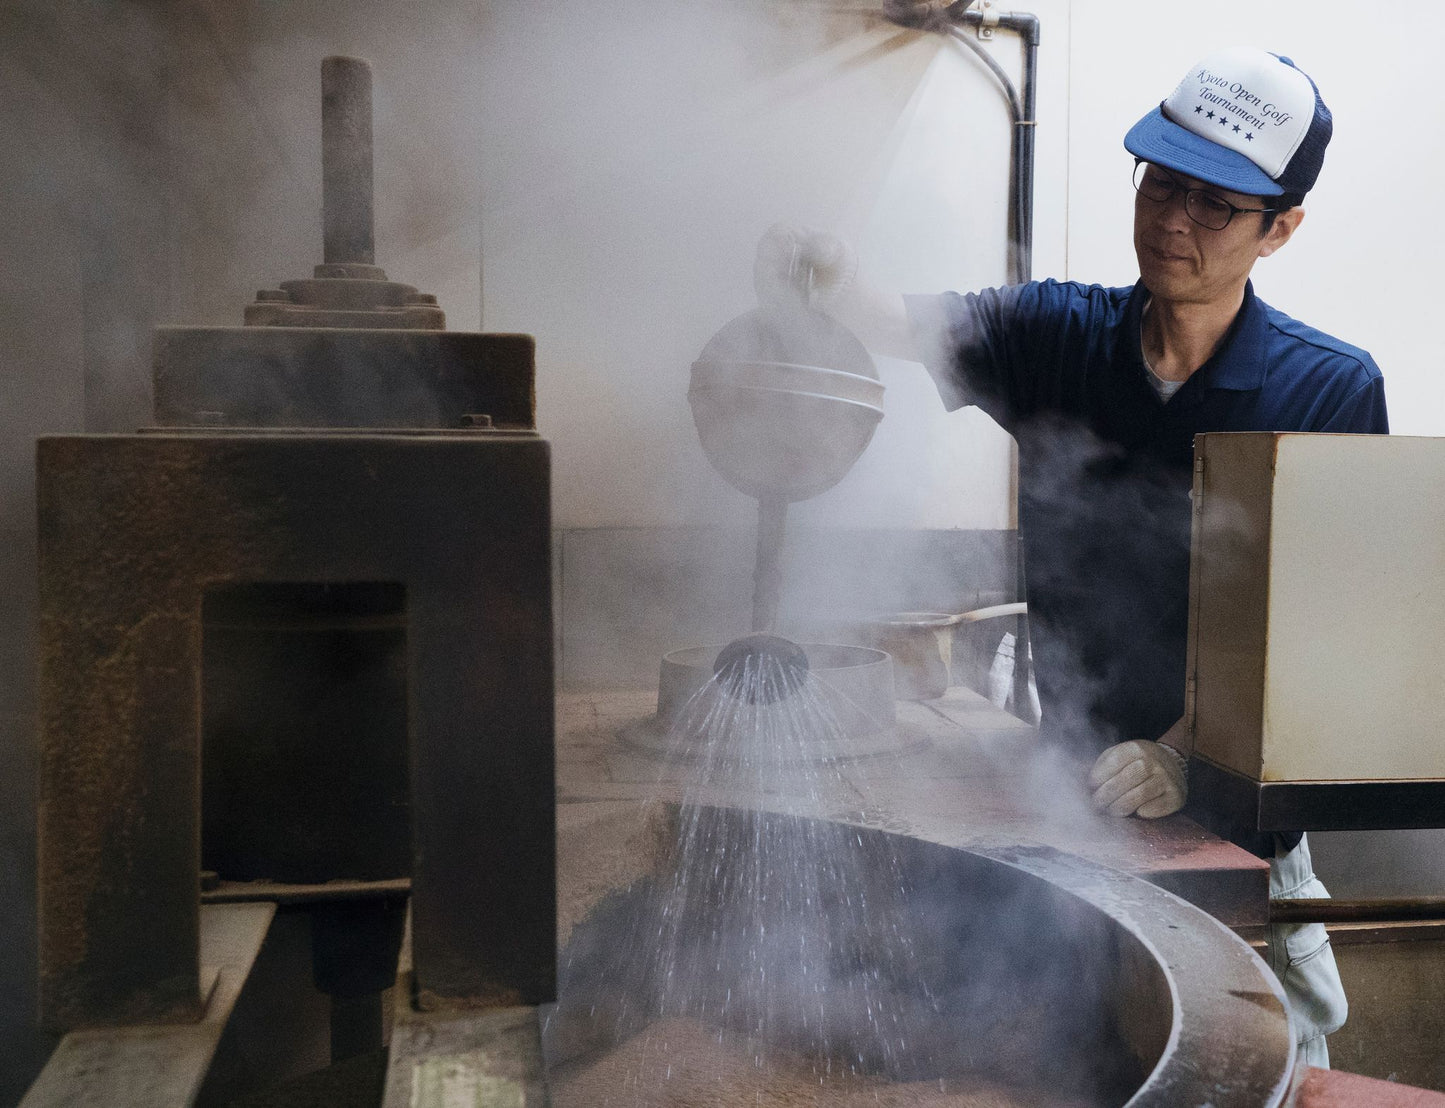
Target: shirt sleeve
x=976, y=345
x=1363, y=411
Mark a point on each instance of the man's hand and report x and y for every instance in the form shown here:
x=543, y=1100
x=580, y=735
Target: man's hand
x=1139, y=778
x=794, y=262
x=801, y=265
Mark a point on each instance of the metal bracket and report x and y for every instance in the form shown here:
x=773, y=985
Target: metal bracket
x=989, y=10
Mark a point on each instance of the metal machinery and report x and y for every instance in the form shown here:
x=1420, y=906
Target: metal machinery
x=305, y=621
x=297, y=649
x=1318, y=602
x=1049, y=979
x=1059, y=979
x=298, y=633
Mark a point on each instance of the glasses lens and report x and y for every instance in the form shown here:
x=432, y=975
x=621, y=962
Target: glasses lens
x=1208, y=211
x=1153, y=183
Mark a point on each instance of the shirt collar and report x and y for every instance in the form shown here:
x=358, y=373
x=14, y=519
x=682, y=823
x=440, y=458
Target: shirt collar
x=1238, y=364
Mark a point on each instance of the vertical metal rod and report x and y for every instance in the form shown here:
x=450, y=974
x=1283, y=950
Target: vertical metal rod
x=1023, y=149
x=768, y=571
x=346, y=170
x=1024, y=129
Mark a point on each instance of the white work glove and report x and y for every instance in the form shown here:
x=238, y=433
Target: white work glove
x=800, y=262
x=1139, y=778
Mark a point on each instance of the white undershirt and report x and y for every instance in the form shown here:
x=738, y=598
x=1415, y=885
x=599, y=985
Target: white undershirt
x=1164, y=389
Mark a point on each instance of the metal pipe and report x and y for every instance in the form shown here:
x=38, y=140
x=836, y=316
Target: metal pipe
x=1382, y=910
x=1022, y=114
x=346, y=169
x=1028, y=28
x=330, y=892
x=768, y=570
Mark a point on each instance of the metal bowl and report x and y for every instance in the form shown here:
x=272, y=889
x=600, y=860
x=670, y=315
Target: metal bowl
x=921, y=644
x=1017, y=965
x=855, y=683
x=780, y=429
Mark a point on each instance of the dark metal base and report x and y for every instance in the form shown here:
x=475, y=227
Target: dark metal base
x=332, y=377
x=1313, y=805
x=136, y=533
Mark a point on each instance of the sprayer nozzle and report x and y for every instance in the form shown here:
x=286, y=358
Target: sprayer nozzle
x=761, y=668
x=922, y=15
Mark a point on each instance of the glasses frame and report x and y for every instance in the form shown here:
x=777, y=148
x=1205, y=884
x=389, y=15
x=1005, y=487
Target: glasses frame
x=1177, y=186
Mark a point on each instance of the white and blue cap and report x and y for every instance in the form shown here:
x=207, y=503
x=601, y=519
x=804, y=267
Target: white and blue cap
x=1243, y=119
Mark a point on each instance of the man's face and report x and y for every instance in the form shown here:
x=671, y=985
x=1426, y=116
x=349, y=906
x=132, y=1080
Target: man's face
x=1183, y=261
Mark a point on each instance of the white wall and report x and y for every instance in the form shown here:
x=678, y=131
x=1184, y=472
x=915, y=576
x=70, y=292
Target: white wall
x=670, y=140
x=671, y=137
x=1363, y=265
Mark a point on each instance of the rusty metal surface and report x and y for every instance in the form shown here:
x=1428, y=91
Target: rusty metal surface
x=1377, y=910
x=347, y=289
x=490, y=1057
x=322, y=377
x=154, y=1066
x=246, y=892
x=1337, y=1089
x=346, y=173
x=133, y=531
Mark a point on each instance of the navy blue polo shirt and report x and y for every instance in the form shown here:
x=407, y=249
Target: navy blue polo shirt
x=1106, y=468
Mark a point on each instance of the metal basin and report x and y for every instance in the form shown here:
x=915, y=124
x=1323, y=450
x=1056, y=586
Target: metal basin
x=1016, y=968
x=853, y=684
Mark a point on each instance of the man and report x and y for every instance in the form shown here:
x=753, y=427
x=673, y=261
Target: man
x=1104, y=390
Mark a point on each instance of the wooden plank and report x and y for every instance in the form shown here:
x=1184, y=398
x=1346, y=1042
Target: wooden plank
x=159, y=1065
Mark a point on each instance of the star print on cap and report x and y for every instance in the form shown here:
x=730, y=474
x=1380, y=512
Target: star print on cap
x=1243, y=119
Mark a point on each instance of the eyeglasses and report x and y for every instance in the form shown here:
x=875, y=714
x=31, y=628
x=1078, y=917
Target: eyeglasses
x=1201, y=205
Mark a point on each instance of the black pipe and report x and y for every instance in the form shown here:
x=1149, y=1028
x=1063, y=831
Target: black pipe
x=1028, y=28
x=1022, y=114
x=924, y=16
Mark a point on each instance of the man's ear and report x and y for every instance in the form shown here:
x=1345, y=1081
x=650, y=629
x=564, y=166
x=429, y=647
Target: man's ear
x=1280, y=231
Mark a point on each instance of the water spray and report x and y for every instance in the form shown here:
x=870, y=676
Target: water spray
x=762, y=669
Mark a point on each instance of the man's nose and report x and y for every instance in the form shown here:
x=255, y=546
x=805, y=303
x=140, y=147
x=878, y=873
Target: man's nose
x=1173, y=213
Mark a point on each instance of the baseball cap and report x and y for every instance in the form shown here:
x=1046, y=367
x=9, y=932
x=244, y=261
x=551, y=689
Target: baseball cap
x=1243, y=119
